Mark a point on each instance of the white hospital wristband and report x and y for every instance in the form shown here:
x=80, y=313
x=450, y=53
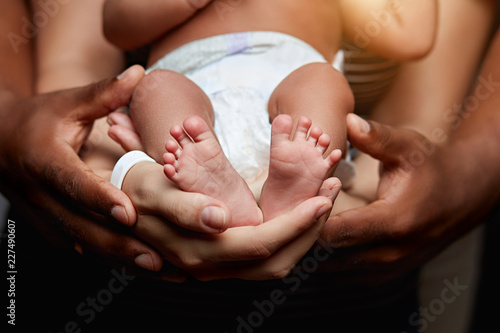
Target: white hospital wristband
x=125, y=163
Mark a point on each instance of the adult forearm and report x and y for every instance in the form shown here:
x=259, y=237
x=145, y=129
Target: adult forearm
x=16, y=67
x=16, y=77
x=427, y=94
x=477, y=137
x=71, y=49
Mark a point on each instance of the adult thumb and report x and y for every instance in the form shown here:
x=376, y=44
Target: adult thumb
x=98, y=99
x=383, y=142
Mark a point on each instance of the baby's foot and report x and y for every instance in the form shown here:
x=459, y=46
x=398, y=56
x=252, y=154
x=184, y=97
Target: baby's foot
x=297, y=167
x=196, y=163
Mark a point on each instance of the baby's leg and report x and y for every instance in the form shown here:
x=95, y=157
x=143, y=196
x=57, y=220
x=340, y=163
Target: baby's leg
x=161, y=100
x=308, y=133
x=317, y=91
x=194, y=159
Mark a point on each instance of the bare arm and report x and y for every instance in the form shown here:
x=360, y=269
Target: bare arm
x=71, y=49
x=394, y=29
x=130, y=24
x=16, y=67
x=426, y=93
x=478, y=135
x=41, y=135
x=424, y=205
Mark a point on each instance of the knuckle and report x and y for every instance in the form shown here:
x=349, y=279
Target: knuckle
x=279, y=272
x=188, y=261
x=104, y=95
x=196, y=4
x=259, y=250
x=402, y=228
x=398, y=231
x=340, y=233
x=121, y=249
x=94, y=92
x=177, y=213
x=76, y=232
x=386, y=138
x=394, y=256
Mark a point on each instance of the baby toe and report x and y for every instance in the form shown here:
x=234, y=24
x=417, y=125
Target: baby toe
x=303, y=127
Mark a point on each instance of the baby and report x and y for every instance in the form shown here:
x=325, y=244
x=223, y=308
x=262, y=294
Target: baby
x=225, y=70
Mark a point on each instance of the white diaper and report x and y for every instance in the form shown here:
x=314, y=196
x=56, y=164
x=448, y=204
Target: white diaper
x=239, y=72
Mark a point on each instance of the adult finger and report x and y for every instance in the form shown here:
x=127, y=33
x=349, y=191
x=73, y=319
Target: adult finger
x=360, y=226
x=275, y=266
x=284, y=260
x=262, y=241
x=115, y=246
x=66, y=172
x=63, y=168
x=280, y=263
x=90, y=232
x=249, y=243
x=191, y=251
x=385, y=143
x=203, y=254
x=153, y=193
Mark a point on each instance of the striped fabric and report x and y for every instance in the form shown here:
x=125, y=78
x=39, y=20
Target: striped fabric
x=368, y=75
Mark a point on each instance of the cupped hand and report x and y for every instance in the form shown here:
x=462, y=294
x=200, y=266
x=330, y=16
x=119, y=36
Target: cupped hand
x=44, y=134
x=422, y=206
x=43, y=176
x=267, y=251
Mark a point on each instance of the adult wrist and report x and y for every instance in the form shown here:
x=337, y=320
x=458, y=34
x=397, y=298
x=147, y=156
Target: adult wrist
x=125, y=163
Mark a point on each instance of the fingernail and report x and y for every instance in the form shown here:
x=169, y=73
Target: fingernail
x=123, y=74
x=145, y=261
x=110, y=121
x=113, y=137
x=120, y=214
x=364, y=126
x=323, y=210
x=214, y=218
x=335, y=191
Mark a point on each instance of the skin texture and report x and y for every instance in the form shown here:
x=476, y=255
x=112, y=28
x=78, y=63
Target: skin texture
x=266, y=251
x=397, y=141
x=130, y=24
x=423, y=207
x=426, y=93
x=41, y=136
x=54, y=185
x=384, y=26
x=403, y=228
